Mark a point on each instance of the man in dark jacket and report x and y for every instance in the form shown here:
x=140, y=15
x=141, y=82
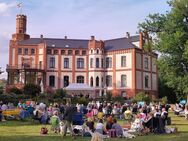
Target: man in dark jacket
x=68, y=116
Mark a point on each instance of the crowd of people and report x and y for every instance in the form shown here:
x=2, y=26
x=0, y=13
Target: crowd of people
x=101, y=118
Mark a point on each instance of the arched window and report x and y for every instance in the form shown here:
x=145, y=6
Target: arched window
x=109, y=81
x=97, y=51
x=66, y=81
x=146, y=81
x=91, y=51
x=80, y=79
x=123, y=80
x=77, y=52
x=52, y=81
x=91, y=81
x=97, y=81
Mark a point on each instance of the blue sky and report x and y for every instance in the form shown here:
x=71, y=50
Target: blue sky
x=105, y=19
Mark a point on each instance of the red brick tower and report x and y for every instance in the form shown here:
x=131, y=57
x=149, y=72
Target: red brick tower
x=21, y=28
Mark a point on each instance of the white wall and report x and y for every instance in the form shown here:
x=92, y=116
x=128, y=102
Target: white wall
x=129, y=79
x=139, y=80
x=128, y=61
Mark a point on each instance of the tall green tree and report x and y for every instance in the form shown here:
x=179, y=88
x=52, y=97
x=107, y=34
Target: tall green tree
x=170, y=39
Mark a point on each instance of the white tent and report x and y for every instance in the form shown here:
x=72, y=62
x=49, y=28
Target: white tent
x=76, y=89
x=79, y=86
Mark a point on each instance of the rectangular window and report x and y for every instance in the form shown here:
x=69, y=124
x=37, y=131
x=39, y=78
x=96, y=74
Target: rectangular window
x=91, y=62
x=69, y=52
x=32, y=51
x=80, y=63
x=66, y=81
x=102, y=63
x=97, y=62
x=123, y=80
x=52, y=62
x=49, y=51
x=109, y=81
x=19, y=51
x=146, y=63
x=52, y=81
x=66, y=62
x=108, y=62
x=26, y=51
x=55, y=52
x=123, y=61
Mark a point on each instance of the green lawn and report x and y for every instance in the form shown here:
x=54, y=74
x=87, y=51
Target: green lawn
x=27, y=131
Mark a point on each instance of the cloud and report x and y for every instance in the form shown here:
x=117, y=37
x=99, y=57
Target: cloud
x=5, y=7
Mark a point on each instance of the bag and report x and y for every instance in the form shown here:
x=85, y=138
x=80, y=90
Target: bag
x=44, y=130
x=112, y=133
x=168, y=121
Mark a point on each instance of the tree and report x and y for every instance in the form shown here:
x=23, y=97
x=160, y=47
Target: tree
x=170, y=39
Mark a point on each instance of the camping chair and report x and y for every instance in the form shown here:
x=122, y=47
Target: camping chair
x=78, y=121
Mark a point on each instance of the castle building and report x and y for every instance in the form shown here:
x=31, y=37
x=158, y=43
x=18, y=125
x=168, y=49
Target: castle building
x=118, y=65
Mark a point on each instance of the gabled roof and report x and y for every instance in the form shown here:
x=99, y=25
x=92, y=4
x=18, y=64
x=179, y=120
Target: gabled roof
x=110, y=45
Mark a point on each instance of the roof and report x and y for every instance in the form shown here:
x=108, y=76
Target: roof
x=110, y=45
x=79, y=86
x=118, y=44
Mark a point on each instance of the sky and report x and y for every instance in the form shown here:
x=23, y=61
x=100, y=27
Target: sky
x=77, y=19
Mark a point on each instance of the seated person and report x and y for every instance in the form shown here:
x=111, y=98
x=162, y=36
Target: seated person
x=109, y=123
x=90, y=124
x=118, y=128
x=148, y=122
x=100, y=127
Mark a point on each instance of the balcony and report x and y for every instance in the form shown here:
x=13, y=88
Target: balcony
x=34, y=67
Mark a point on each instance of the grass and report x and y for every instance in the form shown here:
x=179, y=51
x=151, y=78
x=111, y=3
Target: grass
x=29, y=131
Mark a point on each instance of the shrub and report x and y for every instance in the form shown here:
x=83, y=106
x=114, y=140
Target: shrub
x=142, y=97
x=164, y=100
x=60, y=93
x=32, y=90
x=15, y=90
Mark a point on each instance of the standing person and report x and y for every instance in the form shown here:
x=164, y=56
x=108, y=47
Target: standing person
x=68, y=117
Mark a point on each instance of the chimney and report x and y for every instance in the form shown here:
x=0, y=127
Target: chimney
x=41, y=36
x=65, y=37
x=141, y=40
x=92, y=38
x=127, y=35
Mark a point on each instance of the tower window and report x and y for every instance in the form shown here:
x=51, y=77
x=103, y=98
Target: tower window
x=91, y=62
x=97, y=62
x=97, y=51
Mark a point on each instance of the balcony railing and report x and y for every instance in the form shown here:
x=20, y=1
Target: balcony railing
x=26, y=66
